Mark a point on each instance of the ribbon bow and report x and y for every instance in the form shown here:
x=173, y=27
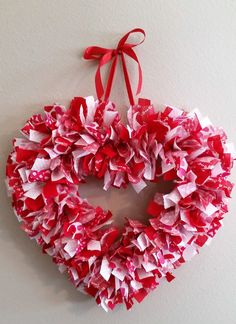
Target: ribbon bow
x=105, y=55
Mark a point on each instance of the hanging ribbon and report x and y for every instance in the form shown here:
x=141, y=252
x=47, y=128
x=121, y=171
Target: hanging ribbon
x=105, y=55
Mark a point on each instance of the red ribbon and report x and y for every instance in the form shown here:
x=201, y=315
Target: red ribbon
x=105, y=55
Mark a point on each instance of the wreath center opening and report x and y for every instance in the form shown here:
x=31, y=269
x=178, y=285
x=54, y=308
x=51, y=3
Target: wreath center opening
x=123, y=202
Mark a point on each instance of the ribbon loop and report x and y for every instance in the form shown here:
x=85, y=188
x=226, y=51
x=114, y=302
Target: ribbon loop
x=105, y=55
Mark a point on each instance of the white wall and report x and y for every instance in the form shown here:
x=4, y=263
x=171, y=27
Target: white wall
x=188, y=60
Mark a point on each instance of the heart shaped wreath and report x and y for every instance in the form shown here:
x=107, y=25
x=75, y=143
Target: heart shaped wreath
x=62, y=147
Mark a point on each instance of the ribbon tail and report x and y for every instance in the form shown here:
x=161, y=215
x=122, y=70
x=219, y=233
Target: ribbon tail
x=127, y=81
x=130, y=52
x=98, y=83
x=111, y=78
